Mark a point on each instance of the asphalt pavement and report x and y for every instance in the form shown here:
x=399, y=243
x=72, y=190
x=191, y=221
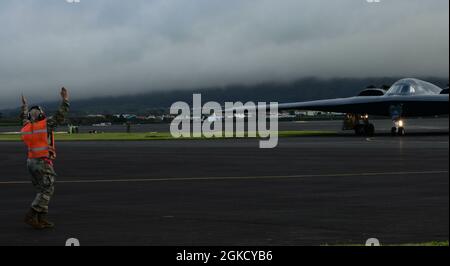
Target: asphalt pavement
x=307, y=191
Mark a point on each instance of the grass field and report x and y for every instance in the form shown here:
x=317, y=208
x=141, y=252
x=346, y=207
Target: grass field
x=149, y=136
x=9, y=124
x=426, y=244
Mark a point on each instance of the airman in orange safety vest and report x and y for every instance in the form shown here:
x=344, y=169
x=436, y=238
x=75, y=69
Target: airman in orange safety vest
x=38, y=135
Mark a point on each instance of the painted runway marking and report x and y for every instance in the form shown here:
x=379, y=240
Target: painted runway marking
x=232, y=178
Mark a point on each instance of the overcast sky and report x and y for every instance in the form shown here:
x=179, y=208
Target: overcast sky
x=105, y=47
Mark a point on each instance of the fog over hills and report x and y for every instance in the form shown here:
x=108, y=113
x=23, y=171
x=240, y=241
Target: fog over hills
x=300, y=90
x=116, y=47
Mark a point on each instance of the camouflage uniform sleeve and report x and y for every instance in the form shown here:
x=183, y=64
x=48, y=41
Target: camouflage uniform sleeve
x=59, y=117
x=24, y=115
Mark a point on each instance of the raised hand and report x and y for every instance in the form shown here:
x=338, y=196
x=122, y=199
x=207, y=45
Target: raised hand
x=64, y=94
x=24, y=100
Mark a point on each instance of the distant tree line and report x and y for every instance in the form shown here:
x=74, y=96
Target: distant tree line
x=300, y=90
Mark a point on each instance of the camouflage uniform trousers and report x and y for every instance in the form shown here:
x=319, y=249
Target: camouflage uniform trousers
x=43, y=178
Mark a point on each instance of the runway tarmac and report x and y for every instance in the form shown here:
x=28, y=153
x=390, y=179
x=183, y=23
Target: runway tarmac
x=308, y=191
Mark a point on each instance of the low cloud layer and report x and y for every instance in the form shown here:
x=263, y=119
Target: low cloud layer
x=112, y=47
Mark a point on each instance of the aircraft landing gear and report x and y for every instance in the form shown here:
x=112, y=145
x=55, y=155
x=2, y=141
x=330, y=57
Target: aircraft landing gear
x=370, y=130
x=398, y=129
x=360, y=124
x=367, y=130
x=393, y=131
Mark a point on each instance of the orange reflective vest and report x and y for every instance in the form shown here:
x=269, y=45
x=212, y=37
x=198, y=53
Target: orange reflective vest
x=39, y=142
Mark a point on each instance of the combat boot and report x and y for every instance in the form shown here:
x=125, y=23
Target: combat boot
x=44, y=222
x=32, y=219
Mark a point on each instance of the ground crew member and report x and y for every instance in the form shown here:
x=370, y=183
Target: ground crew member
x=38, y=135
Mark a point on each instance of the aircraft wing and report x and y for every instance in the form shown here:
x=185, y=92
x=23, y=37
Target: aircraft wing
x=426, y=105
